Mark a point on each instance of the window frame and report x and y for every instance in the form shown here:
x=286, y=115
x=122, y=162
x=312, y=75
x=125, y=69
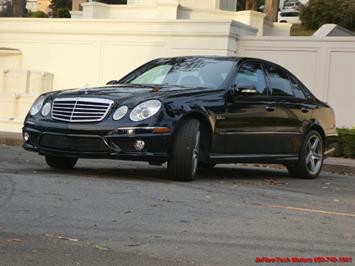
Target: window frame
x=240, y=64
x=269, y=64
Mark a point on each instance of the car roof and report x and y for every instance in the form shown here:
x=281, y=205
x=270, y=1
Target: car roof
x=218, y=57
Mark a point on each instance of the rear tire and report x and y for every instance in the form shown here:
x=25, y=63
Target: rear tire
x=310, y=159
x=183, y=161
x=57, y=162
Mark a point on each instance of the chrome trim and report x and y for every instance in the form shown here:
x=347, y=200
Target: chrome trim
x=134, y=128
x=257, y=133
x=78, y=108
x=241, y=156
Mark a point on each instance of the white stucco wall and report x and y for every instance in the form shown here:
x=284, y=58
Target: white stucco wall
x=92, y=52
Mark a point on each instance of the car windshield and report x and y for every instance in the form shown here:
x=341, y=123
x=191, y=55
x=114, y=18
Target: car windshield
x=189, y=72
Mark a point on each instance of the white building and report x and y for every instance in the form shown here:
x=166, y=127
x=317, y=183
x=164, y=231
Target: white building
x=39, y=55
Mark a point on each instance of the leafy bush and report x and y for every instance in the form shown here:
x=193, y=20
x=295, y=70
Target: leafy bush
x=60, y=4
x=63, y=13
x=346, y=143
x=319, y=12
x=37, y=14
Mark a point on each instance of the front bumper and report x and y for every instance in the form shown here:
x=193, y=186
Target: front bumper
x=115, y=144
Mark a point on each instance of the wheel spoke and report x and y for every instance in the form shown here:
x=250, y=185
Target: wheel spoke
x=313, y=164
x=315, y=144
x=317, y=157
x=309, y=157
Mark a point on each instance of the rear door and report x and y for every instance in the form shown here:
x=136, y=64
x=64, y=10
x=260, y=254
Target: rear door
x=292, y=112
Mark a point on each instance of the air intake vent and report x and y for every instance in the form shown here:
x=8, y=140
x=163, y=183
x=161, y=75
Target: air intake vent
x=80, y=109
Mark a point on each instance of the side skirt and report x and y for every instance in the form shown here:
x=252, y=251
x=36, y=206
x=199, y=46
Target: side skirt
x=253, y=158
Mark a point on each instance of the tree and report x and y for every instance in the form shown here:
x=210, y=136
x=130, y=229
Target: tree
x=6, y=9
x=18, y=8
x=271, y=9
x=319, y=12
x=252, y=5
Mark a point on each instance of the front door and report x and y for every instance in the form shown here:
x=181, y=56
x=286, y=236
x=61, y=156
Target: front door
x=247, y=127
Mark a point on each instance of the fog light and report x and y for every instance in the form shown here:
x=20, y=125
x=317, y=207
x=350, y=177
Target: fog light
x=139, y=145
x=26, y=136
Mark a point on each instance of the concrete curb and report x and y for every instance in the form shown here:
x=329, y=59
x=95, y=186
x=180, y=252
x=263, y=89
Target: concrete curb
x=11, y=138
x=333, y=165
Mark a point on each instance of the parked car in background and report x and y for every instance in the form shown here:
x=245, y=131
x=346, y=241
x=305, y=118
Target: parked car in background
x=289, y=16
x=295, y=5
x=189, y=112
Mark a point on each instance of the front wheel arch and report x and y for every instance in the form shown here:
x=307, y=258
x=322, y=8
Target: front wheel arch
x=206, y=133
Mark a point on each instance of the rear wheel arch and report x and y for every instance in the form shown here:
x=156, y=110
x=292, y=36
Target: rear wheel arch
x=318, y=128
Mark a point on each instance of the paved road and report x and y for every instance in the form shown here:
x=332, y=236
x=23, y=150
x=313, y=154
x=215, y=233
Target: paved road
x=124, y=213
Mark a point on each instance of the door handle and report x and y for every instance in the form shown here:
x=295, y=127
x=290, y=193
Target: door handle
x=304, y=110
x=269, y=108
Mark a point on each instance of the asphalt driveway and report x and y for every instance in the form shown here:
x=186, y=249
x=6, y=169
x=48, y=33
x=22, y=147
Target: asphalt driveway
x=107, y=212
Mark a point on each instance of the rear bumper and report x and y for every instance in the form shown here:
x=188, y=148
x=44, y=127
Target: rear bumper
x=114, y=144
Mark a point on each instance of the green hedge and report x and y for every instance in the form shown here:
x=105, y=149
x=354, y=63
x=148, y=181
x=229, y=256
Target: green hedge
x=346, y=143
x=37, y=14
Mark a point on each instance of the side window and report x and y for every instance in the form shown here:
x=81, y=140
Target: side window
x=297, y=89
x=251, y=74
x=280, y=84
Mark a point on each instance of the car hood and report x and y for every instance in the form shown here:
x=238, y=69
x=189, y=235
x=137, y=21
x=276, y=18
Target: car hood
x=131, y=93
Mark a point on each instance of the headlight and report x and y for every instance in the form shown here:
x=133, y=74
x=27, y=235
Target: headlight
x=46, y=109
x=145, y=110
x=37, y=105
x=120, y=112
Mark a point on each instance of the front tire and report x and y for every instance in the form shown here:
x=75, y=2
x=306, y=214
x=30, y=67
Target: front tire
x=183, y=161
x=311, y=157
x=57, y=162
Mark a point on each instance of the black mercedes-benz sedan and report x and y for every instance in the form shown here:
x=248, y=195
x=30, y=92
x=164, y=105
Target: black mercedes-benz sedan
x=189, y=112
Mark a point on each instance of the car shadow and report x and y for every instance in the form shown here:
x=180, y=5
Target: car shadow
x=159, y=173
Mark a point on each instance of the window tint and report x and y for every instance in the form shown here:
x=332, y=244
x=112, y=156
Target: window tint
x=297, y=89
x=154, y=75
x=251, y=74
x=280, y=84
x=187, y=72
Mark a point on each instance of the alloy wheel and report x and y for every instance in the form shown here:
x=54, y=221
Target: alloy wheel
x=314, y=158
x=195, y=153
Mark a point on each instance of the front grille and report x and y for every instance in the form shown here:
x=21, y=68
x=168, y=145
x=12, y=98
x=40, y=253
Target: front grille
x=73, y=143
x=80, y=109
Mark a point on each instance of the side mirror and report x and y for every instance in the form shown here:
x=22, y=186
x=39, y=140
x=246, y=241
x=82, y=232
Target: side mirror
x=245, y=90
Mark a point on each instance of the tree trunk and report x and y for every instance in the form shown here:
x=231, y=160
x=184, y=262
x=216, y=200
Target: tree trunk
x=271, y=9
x=251, y=5
x=18, y=8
